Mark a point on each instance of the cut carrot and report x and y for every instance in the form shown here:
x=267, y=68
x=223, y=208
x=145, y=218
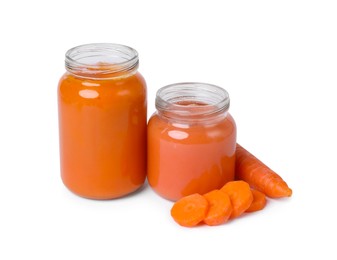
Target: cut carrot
x=258, y=175
x=220, y=208
x=240, y=195
x=259, y=201
x=190, y=210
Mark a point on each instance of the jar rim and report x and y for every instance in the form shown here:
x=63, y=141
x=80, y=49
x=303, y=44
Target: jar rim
x=192, y=100
x=101, y=60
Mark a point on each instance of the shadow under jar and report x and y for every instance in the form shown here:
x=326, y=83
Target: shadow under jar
x=191, y=140
x=102, y=121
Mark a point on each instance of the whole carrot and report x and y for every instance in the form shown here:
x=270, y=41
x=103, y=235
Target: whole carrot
x=258, y=175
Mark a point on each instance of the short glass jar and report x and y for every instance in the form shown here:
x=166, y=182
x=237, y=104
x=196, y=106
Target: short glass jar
x=102, y=121
x=191, y=140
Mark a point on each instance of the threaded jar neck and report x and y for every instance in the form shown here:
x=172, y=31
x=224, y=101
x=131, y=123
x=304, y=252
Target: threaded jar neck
x=101, y=60
x=192, y=101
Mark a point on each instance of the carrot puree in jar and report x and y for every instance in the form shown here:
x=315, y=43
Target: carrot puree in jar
x=102, y=121
x=191, y=140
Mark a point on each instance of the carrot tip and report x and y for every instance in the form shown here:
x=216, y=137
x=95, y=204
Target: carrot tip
x=290, y=192
x=258, y=175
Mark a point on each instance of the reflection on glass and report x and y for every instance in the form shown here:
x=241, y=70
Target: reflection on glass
x=88, y=93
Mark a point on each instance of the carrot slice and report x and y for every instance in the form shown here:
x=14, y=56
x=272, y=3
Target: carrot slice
x=259, y=201
x=220, y=208
x=258, y=175
x=190, y=210
x=240, y=195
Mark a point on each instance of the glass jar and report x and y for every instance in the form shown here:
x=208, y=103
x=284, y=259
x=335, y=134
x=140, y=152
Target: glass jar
x=102, y=121
x=191, y=140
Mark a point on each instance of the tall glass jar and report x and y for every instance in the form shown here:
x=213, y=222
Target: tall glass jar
x=191, y=140
x=102, y=121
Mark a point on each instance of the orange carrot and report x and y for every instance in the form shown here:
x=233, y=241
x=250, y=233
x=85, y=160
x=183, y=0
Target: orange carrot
x=258, y=175
x=220, y=208
x=259, y=201
x=240, y=195
x=190, y=210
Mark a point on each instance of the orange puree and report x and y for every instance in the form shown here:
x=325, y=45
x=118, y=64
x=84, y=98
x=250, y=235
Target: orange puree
x=186, y=158
x=102, y=125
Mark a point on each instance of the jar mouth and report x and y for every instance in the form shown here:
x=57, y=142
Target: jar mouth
x=102, y=60
x=192, y=100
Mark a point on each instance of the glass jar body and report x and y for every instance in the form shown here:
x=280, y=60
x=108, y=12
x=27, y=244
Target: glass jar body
x=102, y=132
x=190, y=156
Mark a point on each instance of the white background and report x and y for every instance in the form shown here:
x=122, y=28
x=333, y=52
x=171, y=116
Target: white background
x=278, y=61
